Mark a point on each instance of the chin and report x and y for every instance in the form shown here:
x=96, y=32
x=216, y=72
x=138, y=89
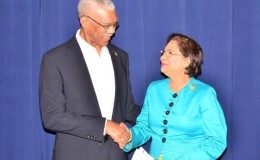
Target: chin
x=105, y=43
x=162, y=70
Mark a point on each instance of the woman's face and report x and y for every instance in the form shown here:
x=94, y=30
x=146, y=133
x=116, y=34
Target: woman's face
x=172, y=60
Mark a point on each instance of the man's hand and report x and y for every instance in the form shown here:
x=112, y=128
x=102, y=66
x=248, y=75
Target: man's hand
x=118, y=132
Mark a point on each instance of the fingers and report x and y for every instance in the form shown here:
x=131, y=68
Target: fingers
x=127, y=131
x=122, y=144
x=118, y=132
x=124, y=126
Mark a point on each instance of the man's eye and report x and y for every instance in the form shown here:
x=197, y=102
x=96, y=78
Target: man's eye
x=106, y=26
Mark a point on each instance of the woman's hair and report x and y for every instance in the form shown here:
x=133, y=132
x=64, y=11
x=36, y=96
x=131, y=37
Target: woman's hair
x=84, y=5
x=189, y=48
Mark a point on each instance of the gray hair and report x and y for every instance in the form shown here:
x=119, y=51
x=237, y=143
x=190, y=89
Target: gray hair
x=84, y=5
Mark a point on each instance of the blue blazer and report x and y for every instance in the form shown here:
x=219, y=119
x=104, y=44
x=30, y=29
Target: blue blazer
x=69, y=105
x=189, y=125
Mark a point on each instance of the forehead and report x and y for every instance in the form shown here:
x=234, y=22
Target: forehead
x=173, y=44
x=104, y=14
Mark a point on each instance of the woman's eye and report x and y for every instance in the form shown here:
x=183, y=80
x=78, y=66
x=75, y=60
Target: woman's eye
x=171, y=53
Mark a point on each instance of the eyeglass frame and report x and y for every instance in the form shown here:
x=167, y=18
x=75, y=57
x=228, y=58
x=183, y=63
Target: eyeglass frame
x=169, y=53
x=106, y=27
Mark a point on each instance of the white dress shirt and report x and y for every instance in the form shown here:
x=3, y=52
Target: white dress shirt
x=101, y=72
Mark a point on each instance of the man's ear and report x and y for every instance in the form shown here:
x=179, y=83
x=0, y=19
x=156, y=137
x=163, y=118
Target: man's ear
x=83, y=21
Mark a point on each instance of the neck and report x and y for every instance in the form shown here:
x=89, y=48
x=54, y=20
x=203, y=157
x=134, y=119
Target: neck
x=177, y=83
x=83, y=35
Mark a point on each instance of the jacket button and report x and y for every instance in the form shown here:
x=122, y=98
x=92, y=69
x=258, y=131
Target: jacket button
x=163, y=140
x=165, y=121
x=167, y=112
x=165, y=131
x=171, y=104
x=174, y=95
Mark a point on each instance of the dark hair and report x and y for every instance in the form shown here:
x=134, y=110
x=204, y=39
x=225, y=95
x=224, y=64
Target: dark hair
x=189, y=48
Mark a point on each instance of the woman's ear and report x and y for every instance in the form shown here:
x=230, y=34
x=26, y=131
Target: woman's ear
x=187, y=61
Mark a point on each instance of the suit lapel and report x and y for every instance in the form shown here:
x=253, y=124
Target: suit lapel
x=117, y=66
x=77, y=59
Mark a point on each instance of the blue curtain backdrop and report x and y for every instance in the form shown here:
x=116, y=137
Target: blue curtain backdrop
x=228, y=31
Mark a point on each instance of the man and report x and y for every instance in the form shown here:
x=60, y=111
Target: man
x=85, y=92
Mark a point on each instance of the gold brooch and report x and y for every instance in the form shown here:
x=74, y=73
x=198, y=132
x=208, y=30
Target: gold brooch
x=192, y=87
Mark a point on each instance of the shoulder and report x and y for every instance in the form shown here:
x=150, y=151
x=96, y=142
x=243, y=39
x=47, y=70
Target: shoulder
x=116, y=50
x=118, y=55
x=62, y=54
x=202, y=87
x=159, y=84
x=63, y=48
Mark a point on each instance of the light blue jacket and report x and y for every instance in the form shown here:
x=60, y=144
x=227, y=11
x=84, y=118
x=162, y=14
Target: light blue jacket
x=189, y=125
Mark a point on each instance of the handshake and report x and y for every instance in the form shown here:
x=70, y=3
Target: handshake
x=118, y=132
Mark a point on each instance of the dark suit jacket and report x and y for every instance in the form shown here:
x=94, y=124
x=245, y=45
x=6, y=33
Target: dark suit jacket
x=70, y=108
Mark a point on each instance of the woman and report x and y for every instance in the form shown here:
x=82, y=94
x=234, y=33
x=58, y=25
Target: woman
x=181, y=114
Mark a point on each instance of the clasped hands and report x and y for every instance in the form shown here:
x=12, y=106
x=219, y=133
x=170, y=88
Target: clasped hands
x=118, y=132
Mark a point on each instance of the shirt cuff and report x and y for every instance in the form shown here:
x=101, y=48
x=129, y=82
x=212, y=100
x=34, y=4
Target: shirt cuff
x=104, y=131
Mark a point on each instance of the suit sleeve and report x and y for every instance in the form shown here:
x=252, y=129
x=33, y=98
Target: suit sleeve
x=53, y=106
x=141, y=132
x=132, y=110
x=214, y=127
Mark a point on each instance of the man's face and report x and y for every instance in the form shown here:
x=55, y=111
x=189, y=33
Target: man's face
x=99, y=26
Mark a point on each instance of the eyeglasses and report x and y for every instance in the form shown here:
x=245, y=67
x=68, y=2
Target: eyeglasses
x=106, y=27
x=169, y=53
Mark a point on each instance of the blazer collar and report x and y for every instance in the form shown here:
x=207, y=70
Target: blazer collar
x=77, y=57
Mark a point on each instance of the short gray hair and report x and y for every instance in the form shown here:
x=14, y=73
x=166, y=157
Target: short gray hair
x=85, y=4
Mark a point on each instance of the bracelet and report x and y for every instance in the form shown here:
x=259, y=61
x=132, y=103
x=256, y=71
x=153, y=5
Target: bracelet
x=130, y=139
